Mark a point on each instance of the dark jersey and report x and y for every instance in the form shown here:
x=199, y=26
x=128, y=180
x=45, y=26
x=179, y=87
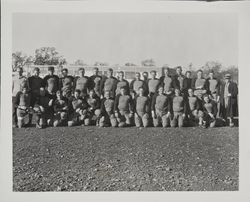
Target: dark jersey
x=59, y=105
x=35, y=83
x=23, y=99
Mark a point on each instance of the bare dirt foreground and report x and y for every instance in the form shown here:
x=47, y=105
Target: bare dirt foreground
x=127, y=159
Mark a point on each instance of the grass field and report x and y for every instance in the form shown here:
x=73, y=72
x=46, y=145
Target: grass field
x=127, y=159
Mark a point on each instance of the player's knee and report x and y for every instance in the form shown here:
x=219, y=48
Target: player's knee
x=87, y=122
x=70, y=123
x=56, y=123
x=113, y=122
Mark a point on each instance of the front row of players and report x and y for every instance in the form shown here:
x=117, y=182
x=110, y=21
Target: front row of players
x=141, y=111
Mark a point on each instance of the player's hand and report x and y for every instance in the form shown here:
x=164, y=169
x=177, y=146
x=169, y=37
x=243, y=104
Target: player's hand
x=168, y=114
x=42, y=109
x=229, y=94
x=50, y=102
x=116, y=114
x=153, y=114
x=78, y=110
x=130, y=115
x=65, y=108
x=184, y=115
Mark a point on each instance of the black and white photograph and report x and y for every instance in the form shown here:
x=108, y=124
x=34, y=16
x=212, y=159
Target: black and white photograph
x=124, y=102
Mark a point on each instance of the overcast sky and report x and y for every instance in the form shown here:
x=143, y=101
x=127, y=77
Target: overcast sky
x=173, y=39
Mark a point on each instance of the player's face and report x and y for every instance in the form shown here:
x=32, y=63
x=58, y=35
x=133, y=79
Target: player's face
x=190, y=92
x=36, y=72
x=141, y=91
x=206, y=99
x=145, y=76
x=19, y=71
x=160, y=90
x=81, y=72
x=188, y=75
x=95, y=71
x=25, y=90
x=211, y=75
x=177, y=92
x=153, y=74
x=77, y=95
x=199, y=74
x=137, y=76
x=64, y=73
x=59, y=95
x=110, y=74
x=178, y=71
x=121, y=76
x=51, y=72
x=123, y=91
x=107, y=94
x=42, y=92
x=166, y=72
x=91, y=93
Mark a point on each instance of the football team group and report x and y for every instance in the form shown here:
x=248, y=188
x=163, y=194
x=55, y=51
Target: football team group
x=169, y=101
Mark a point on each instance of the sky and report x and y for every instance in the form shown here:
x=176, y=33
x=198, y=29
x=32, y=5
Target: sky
x=117, y=38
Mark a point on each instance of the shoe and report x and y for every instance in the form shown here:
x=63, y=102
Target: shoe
x=231, y=124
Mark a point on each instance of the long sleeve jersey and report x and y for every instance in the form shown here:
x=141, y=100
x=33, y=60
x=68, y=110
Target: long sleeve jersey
x=44, y=102
x=199, y=84
x=109, y=84
x=94, y=102
x=136, y=84
x=142, y=104
x=167, y=83
x=210, y=107
x=107, y=106
x=82, y=84
x=123, y=103
x=120, y=84
x=193, y=103
x=51, y=83
x=178, y=104
x=178, y=81
x=60, y=104
x=153, y=85
x=95, y=83
x=187, y=84
x=17, y=83
x=161, y=103
x=66, y=83
x=35, y=83
x=23, y=99
x=79, y=103
x=213, y=86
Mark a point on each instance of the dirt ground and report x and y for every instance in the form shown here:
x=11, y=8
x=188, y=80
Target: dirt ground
x=128, y=159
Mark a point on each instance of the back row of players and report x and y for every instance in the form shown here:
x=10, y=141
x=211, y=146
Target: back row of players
x=107, y=101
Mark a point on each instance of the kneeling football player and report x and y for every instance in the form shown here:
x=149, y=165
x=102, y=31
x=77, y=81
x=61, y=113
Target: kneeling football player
x=107, y=116
x=161, y=109
x=142, y=104
x=23, y=99
x=61, y=110
x=210, y=111
x=123, y=108
x=42, y=109
x=178, y=105
x=79, y=112
x=194, y=110
x=94, y=108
